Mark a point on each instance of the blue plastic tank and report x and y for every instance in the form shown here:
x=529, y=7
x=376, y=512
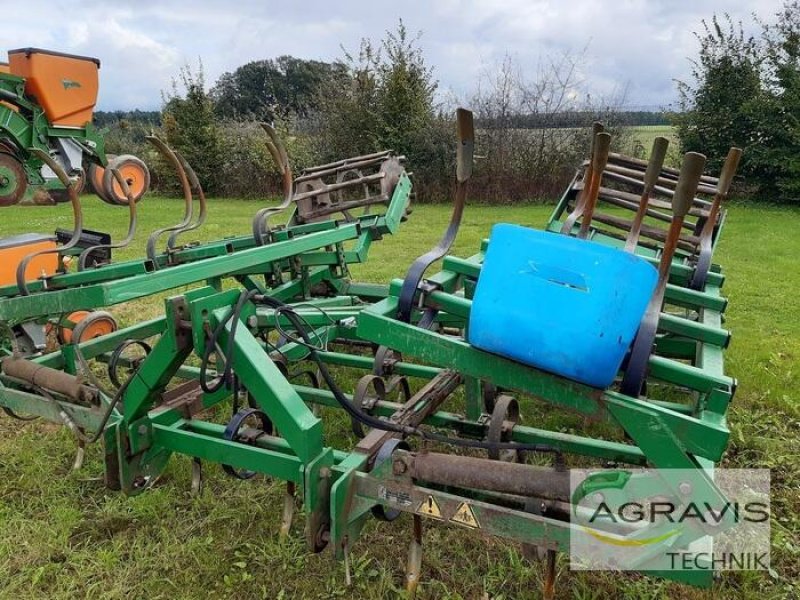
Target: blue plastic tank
x=565, y=305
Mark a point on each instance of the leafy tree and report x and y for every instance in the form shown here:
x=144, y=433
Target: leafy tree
x=386, y=101
x=104, y=118
x=191, y=127
x=746, y=92
x=716, y=110
x=776, y=157
x=265, y=89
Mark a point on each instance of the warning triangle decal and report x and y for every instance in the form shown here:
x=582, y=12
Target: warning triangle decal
x=430, y=508
x=465, y=516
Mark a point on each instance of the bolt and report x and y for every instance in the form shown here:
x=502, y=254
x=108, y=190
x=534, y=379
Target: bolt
x=399, y=467
x=685, y=488
x=252, y=321
x=142, y=429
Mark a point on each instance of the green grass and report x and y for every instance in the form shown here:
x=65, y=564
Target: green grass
x=63, y=535
x=640, y=139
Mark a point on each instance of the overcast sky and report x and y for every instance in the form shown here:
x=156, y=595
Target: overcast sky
x=142, y=45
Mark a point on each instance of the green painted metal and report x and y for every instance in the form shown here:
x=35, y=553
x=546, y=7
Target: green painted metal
x=23, y=126
x=307, y=266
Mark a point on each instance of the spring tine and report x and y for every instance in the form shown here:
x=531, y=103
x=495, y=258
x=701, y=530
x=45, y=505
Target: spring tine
x=194, y=183
x=636, y=370
x=599, y=159
x=348, y=578
x=288, y=509
x=281, y=158
x=197, y=477
x=657, y=155
x=723, y=187
x=80, y=456
x=466, y=142
x=168, y=153
x=580, y=202
x=465, y=150
x=132, y=220
x=414, y=560
x=77, y=215
x=549, y=587
x=703, y=266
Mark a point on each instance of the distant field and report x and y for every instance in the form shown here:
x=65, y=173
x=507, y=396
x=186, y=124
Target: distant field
x=63, y=535
x=641, y=141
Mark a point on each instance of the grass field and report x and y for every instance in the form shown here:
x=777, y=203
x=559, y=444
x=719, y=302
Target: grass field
x=63, y=535
x=640, y=140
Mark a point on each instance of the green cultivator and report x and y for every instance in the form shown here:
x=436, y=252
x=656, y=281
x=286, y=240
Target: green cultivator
x=437, y=418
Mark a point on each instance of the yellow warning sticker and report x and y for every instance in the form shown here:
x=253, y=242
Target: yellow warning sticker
x=430, y=508
x=465, y=516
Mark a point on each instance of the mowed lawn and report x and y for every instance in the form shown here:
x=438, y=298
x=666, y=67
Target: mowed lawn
x=63, y=535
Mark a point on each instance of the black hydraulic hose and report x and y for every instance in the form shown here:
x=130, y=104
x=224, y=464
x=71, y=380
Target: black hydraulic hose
x=211, y=345
x=374, y=422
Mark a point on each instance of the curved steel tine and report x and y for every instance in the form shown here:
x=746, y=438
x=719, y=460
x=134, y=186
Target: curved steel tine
x=588, y=175
x=651, y=175
x=635, y=373
x=77, y=215
x=187, y=198
x=131, y=223
x=464, y=157
x=194, y=182
x=703, y=265
x=281, y=158
x=602, y=144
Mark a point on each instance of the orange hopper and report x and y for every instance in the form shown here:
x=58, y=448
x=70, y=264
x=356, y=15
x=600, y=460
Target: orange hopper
x=64, y=85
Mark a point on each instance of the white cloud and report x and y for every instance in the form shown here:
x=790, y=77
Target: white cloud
x=143, y=43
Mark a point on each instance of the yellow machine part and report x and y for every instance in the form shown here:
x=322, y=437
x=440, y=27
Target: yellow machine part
x=4, y=68
x=64, y=85
x=14, y=249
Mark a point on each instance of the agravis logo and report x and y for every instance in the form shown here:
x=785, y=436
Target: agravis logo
x=639, y=519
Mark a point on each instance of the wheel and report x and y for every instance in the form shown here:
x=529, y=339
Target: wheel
x=83, y=325
x=135, y=173
x=259, y=424
x=13, y=181
x=504, y=416
x=96, y=173
x=133, y=360
x=79, y=181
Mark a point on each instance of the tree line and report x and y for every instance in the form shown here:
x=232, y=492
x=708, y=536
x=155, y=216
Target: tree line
x=532, y=132
x=745, y=91
x=532, y=125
